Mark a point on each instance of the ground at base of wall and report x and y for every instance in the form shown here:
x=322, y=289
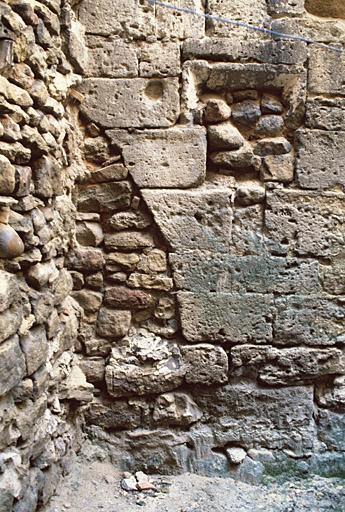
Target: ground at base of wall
x=96, y=486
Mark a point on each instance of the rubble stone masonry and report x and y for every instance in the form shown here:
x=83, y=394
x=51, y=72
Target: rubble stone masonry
x=172, y=240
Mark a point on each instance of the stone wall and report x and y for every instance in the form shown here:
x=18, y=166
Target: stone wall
x=211, y=232
x=41, y=385
x=171, y=241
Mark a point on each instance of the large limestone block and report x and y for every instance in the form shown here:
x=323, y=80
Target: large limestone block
x=192, y=219
x=226, y=317
x=104, y=197
x=111, y=58
x=126, y=17
x=144, y=364
x=331, y=428
x=206, y=364
x=229, y=50
x=132, y=103
x=309, y=320
x=306, y=223
x=249, y=12
x=171, y=159
x=9, y=290
x=320, y=159
x=326, y=71
x=35, y=348
x=12, y=365
x=326, y=113
x=236, y=416
x=200, y=271
x=286, y=366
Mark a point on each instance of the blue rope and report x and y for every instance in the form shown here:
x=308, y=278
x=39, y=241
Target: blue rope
x=242, y=24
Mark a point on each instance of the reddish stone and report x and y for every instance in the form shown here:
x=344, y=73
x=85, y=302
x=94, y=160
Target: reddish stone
x=122, y=297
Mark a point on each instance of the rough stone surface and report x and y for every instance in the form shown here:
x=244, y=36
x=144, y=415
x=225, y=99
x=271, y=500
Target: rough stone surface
x=152, y=160
x=136, y=103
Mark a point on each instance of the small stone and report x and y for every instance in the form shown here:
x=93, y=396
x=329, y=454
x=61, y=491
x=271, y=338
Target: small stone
x=126, y=220
x=152, y=282
x=247, y=195
x=240, y=159
x=236, y=455
x=271, y=105
x=112, y=323
x=216, y=111
x=7, y=176
x=89, y=234
x=42, y=273
x=275, y=146
x=129, y=484
x=246, y=112
x=143, y=482
x=124, y=260
x=269, y=126
x=128, y=240
x=224, y=136
x=278, y=168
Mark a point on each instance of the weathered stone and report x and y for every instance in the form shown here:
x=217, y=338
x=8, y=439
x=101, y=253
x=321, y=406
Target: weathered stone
x=75, y=387
x=333, y=278
x=308, y=320
x=165, y=308
x=94, y=369
x=206, y=364
x=96, y=151
x=158, y=59
x=330, y=429
x=325, y=71
x=332, y=394
x=224, y=136
x=112, y=172
x=16, y=153
x=14, y=93
x=236, y=455
x=213, y=272
x=7, y=176
x=271, y=104
x=128, y=220
x=9, y=290
x=122, y=260
x=288, y=422
x=325, y=113
x=250, y=194
x=144, y=364
x=176, y=409
x=246, y=112
x=275, y=146
x=154, y=260
x=122, y=297
x=320, y=162
x=35, y=348
x=152, y=159
x=216, y=111
x=306, y=222
x=89, y=234
x=23, y=181
x=278, y=168
x=134, y=103
x=287, y=366
x=227, y=49
x=192, y=219
x=150, y=281
x=233, y=317
x=249, y=13
x=95, y=281
x=111, y=59
x=10, y=321
x=86, y=259
x=112, y=323
x=114, y=414
x=242, y=159
x=47, y=177
x=104, y=197
x=128, y=240
x=42, y=273
x=90, y=301
x=12, y=365
x=269, y=126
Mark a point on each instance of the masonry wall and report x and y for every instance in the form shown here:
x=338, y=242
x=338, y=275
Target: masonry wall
x=211, y=232
x=171, y=241
x=41, y=386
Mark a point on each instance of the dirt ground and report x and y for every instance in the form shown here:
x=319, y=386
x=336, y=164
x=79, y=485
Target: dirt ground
x=96, y=486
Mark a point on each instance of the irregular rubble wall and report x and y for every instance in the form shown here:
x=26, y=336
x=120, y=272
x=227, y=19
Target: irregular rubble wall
x=172, y=229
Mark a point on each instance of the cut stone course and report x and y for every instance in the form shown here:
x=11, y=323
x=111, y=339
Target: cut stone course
x=152, y=160
x=135, y=103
